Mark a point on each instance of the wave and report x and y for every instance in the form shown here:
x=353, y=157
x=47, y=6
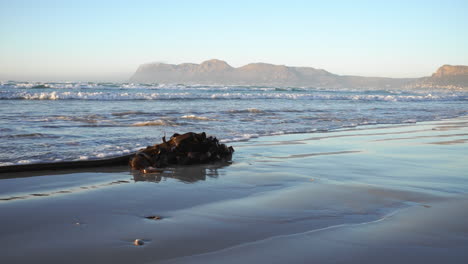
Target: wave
x=195, y=117
x=30, y=135
x=122, y=96
x=78, y=85
x=248, y=110
x=155, y=123
x=127, y=113
x=112, y=85
x=41, y=86
x=85, y=119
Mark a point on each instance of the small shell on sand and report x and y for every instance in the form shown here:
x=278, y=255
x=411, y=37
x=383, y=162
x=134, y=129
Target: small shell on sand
x=153, y=217
x=138, y=242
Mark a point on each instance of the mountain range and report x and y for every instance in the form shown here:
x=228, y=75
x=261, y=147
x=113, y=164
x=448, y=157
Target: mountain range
x=215, y=71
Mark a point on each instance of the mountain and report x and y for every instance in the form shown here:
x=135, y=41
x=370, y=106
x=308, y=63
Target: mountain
x=219, y=72
x=447, y=76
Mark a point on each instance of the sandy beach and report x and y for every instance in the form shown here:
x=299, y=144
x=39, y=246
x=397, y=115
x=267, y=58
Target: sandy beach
x=371, y=194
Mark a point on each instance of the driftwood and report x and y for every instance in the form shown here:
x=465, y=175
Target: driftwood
x=6, y=171
x=186, y=149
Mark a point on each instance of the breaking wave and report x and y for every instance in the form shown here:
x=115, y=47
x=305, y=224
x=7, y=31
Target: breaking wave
x=155, y=123
x=195, y=117
x=248, y=110
x=122, y=96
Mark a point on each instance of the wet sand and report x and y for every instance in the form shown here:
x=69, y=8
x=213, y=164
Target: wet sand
x=375, y=194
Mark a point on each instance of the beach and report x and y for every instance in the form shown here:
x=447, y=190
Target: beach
x=391, y=193
x=229, y=132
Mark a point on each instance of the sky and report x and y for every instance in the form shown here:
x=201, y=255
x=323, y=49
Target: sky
x=108, y=40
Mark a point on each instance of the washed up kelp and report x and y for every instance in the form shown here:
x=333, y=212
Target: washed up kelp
x=189, y=148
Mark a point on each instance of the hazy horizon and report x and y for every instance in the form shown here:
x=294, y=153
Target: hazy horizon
x=108, y=40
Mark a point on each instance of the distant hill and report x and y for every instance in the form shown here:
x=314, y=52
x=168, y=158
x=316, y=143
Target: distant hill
x=447, y=76
x=219, y=72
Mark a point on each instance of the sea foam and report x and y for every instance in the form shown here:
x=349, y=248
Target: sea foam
x=118, y=96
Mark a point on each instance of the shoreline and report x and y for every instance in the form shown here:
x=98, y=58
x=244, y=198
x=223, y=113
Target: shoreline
x=115, y=161
x=389, y=194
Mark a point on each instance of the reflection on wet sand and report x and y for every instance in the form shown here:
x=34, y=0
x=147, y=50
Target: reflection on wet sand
x=368, y=134
x=451, y=142
x=26, y=174
x=329, y=136
x=316, y=154
x=68, y=191
x=441, y=126
x=418, y=137
x=187, y=174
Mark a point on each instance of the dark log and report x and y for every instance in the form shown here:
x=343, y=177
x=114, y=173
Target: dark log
x=122, y=160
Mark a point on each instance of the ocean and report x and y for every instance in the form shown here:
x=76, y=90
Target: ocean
x=68, y=121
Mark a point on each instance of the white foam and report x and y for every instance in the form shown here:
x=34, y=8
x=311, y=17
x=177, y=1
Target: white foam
x=243, y=137
x=155, y=123
x=28, y=161
x=195, y=117
x=113, y=153
x=254, y=110
x=82, y=95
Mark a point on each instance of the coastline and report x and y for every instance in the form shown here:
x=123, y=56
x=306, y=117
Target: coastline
x=361, y=192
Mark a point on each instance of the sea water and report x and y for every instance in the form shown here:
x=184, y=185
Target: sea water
x=67, y=121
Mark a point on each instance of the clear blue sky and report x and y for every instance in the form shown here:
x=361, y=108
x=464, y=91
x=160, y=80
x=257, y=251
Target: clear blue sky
x=69, y=40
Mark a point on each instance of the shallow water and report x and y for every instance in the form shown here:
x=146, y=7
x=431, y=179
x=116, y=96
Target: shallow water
x=51, y=122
